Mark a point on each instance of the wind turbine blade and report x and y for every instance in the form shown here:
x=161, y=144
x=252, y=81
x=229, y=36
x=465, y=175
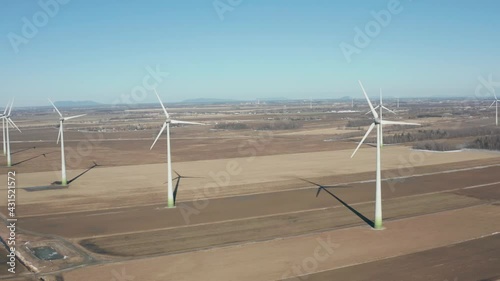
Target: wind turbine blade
x=73, y=117
x=319, y=190
x=388, y=110
x=162, y=106
x=6, y=109
x=374, y=112
x=13, y=124
x=376, y=107
x=56, y=108
x=10, y=108
x=186, y=122
x=59, y=136
x=386, y=122
x=492, y=103
x=159, y=135
x=366, y=135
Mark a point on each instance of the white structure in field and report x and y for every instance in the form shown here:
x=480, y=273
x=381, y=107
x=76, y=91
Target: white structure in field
x=60, y=137
x=7, y=122
x=166, y=125
x=377, y=121
x=495, y=102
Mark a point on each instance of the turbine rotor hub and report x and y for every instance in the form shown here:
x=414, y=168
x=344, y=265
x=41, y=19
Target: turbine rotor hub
x=377, y=121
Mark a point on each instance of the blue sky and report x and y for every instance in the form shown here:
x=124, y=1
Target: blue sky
x=100, y=50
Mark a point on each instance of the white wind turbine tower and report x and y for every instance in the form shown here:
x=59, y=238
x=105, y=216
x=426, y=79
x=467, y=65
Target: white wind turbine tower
x=2, y=115
x=8, y=121
x=381, y=108
x=168, y=121
x=377, y=122
x=495, y=102
x=60, y=137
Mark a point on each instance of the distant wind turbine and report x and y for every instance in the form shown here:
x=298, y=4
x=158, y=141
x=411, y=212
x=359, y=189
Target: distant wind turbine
x=166, y=125
x=60, y=137
x=377, y=122
x=495, y=102
x=2, y=115
x=6, y=119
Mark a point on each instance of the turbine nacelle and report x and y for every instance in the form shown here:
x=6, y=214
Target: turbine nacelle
x=7, y=116
x=169, y=121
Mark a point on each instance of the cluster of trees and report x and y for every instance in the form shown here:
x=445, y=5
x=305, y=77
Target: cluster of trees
x=268, y=126
x=281, y=125
x=419, y=135
x=359, y=123
x=423, y=135
x=487, y=142
x=231, y=126
x=435, y=146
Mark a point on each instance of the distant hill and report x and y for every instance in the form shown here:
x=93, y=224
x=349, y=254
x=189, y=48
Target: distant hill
x=209, y=101
x=345, y=98
x=77, y=104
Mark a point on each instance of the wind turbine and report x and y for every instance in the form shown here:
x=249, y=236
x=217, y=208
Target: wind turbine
x=377, y=122
x=2, y=115
x=495, y=102
x=7, y=122
x=60, y=137
x=381, y=108
x=168, y=121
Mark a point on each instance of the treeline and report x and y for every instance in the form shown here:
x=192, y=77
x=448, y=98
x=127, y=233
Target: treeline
x=419, y=135
x=359, y=123
x=268, y=126
x=486, y=142
x=283, y=125
x=436, y=146
x=231, y=126
x=423, y=135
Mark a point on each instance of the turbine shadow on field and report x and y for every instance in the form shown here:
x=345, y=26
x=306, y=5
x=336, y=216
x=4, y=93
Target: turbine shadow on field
x=84, y=172
x=32, y=158
x=325, y=188
x=178, y=178
x=23, y=150
x=78, y=176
